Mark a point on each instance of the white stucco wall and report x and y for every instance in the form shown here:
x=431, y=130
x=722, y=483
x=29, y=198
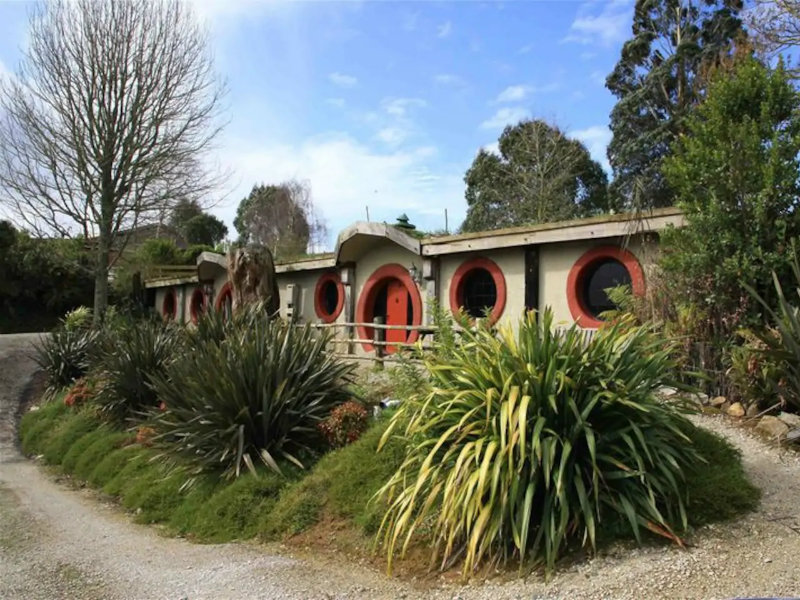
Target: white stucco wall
x=556, y=260
x=511, y=262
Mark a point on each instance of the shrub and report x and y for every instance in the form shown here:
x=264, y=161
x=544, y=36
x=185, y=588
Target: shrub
x=79, y=319
x=128, y=362
x=345, y=424
x=255, y=397
x=80, y=392
x=36, y=426
x=529, y=443
x=782, y=342
x=756, y=377
x=64, y=356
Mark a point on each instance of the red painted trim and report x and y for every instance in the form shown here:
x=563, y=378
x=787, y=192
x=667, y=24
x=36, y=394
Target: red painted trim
x=577, y=275
x=225, y=292
x=459, y=277
x=197, y=304
x=319, y=306
x=365, y=309
x=171, y=315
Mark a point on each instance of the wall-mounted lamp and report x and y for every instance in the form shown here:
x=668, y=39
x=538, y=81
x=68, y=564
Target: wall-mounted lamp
x=415, y=273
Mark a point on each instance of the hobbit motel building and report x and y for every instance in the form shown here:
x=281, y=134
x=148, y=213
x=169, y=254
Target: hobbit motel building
x=380, y=273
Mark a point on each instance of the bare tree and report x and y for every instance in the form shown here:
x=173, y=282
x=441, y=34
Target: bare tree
x=282, y=218
x=108, y=122
x=775, y=25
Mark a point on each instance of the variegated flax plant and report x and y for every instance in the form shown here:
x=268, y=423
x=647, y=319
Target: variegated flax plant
x=530, y=442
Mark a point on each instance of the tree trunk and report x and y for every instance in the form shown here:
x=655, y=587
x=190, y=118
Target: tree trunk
x=101, y=280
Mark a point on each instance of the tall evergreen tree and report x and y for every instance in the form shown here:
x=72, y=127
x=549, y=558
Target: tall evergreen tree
x=658, y=82
x=539, y=175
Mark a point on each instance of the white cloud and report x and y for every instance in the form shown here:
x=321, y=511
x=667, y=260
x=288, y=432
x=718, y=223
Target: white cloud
x=517, y=93
x=337, y=102
x=596, y=140
x=342, y=80
x=449, y=79
x=444, y=30
x=346, y=175
x=493, y=148
x=506, y=116
x=599, y=77
x=514, y=93
x=611, y=24
x=399, y=107
x=525, y=49
x=392, y=135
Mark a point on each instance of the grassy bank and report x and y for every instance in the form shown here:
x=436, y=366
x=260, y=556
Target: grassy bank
x=335, y=494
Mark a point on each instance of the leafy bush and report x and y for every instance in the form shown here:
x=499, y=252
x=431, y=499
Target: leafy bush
x=782, y=344
x=345, y=424
x=64, y=356
x=80, y=393
x=77, y=319
x=528, y=443
x=129, y=360
x=255, y=397
x=756, y=377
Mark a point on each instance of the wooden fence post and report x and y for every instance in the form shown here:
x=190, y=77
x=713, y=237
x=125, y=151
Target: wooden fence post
x=378, y=335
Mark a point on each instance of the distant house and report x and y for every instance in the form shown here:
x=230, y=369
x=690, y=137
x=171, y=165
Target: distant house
x=379, y=270
x=134, y=238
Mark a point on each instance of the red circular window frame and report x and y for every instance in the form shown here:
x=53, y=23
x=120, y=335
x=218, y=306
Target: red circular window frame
x=459, y=277
x=319, y=305
x=197, y=308
x=225, y=292
x=577, y=277
x=365, y=308
x=171, y=316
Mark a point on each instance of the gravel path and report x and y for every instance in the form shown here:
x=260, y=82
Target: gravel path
x=56, y=542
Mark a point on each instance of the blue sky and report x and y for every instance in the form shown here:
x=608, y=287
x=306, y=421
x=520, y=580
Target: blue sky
x=385, y=104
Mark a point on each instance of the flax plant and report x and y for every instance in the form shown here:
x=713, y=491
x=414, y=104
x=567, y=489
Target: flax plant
x=530, y=442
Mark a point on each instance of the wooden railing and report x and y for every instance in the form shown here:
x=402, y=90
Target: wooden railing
x=378, y=341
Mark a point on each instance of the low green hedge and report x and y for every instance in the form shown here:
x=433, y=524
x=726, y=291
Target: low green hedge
x=341, y=485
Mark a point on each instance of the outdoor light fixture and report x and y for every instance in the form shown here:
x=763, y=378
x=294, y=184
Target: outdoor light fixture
x=415, y=273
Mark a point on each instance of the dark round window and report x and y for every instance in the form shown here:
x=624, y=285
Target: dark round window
x=604, y=274
x=330, y=296
x=479, y=292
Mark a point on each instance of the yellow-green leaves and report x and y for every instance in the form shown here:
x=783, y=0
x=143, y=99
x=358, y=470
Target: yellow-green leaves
x=529, y=444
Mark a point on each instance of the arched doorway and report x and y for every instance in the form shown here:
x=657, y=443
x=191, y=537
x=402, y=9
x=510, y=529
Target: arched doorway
x=392, y=294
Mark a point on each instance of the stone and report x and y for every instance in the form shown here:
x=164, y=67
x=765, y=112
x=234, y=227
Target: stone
x=666, y=391
x=725, y=406
x=736, y=410
x=793, y=437
x=752, y=410
x=772, y=427
x=790, y=419
x=718, y=401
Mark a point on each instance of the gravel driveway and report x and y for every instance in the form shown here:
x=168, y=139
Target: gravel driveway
x=57, y=542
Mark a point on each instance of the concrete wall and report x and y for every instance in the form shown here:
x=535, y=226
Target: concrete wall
x=511, y=262
x=556, y=260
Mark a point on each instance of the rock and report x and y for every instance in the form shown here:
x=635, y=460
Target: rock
x=790, y=419
x=736, y=410
x=793, y=437
x=718, y=401
x=772, y=427
x=725, y=406
x=752, y=410
x=667, y=392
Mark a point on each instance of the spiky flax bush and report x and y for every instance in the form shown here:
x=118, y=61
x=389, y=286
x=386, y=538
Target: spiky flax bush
x=130, y=356
x=64, y=356
x=530, y=442
x=255, y=396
